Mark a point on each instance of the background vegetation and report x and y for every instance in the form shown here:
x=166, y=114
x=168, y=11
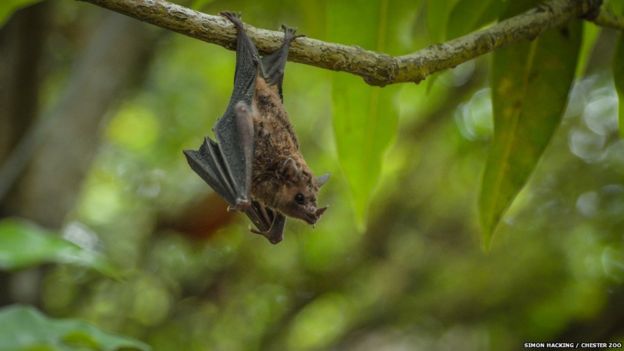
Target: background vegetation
x=95, y=109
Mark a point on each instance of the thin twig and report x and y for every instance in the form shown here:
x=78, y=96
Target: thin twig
x=376, y=68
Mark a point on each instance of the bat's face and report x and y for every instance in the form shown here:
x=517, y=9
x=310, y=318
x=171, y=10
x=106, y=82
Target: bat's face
x=298, y=198
x=299, y=201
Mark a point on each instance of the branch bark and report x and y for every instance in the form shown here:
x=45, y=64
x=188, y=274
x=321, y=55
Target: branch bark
x=376, y=68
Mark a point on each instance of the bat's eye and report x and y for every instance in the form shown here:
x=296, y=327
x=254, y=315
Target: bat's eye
x=299, y=198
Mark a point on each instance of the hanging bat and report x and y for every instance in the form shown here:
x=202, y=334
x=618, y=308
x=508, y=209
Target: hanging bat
x=255, y=163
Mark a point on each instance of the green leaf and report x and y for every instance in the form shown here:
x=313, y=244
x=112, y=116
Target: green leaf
x=613, y=264
x=199, y=4
x=25, y=328
x=25, y=245
x=614, y=6
x=465, y=16
x=364, y=117
x=590, y=35
x=530, y=85
x=618, y=78
x=8, y=7
x=468, y=15
x=437, y=18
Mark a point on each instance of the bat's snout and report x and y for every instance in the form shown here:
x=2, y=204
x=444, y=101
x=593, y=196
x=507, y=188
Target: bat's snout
x=311, y=217
x=320, y=211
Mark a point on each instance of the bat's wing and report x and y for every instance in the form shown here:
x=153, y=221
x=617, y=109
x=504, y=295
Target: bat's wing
x=209, y=164
x=226, y=165
x=273, y=64
x=269, y=222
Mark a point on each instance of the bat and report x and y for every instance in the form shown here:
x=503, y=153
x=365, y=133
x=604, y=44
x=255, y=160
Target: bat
x=255, y=163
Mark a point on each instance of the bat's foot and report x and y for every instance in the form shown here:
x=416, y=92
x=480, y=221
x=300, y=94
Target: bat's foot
x=272, y=236
x=234, y=17
x=290, y=34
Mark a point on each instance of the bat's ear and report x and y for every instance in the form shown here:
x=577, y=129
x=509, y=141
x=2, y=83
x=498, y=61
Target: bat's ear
x=290, y=170
x=321, y=180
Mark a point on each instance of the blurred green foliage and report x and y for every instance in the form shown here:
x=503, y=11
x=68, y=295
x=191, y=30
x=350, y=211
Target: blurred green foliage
x=618, y=78
x=438, y=18
x=8, y=7
x=24, y=245
x=615, y=6
x=590, y=35
x=409, y=156
x=469, y=15
x=25, y=328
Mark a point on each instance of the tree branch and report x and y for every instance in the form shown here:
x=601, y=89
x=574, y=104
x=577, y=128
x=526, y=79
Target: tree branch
x=376, y=68
x=608, y=19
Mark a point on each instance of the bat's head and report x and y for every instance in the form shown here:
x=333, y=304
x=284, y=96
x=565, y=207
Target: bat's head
x=297, y=195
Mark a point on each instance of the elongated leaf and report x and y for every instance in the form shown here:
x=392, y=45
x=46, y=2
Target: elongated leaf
x=437, y=18
x=590, y=35
x=25, y=245
x=614, y=6
x=25, y=328
x=364, y=118
x=530, y=85
x=8, y=7
x=618, y=78
x=468, y=15
x=461, y=17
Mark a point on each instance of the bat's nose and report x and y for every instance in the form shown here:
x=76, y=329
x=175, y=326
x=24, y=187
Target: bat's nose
x=314, y=214
x=320, y=211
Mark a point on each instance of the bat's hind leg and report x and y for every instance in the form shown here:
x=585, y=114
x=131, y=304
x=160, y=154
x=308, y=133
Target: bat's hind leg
x=233, y=17
x=270, y=223
x=275, y=63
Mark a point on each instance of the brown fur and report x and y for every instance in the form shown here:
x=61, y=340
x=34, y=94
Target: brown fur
x=279, y=170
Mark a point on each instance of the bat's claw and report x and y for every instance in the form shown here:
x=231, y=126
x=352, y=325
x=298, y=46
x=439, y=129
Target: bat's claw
x=234, y=17
x=290, y=33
